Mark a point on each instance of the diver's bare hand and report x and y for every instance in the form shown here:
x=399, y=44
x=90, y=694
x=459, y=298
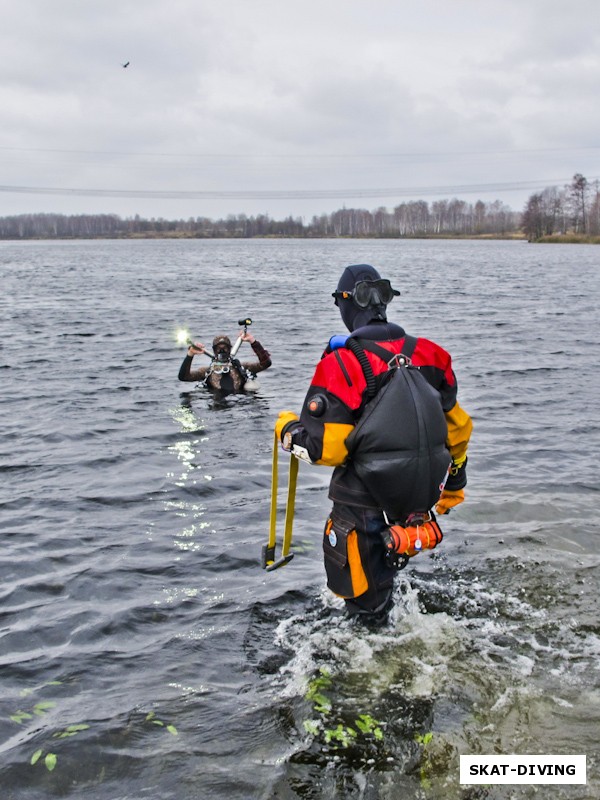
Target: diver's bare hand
x=196, y=349
x=247, y=337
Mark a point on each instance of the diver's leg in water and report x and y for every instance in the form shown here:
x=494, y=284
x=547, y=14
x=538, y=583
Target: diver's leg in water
x=376, y=602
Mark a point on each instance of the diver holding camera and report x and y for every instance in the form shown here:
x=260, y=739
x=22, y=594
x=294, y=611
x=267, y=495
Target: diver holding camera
x=225, y=372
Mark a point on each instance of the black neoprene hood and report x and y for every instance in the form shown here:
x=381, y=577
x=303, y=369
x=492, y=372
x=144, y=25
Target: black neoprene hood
x=352, y=316
x=222, y=341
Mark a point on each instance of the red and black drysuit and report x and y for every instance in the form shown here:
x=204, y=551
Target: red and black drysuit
x=355, y=554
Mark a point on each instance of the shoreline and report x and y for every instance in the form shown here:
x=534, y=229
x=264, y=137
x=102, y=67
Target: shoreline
x=158, y=235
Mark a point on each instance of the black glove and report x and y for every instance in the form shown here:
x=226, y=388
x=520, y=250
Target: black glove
x=457, y=479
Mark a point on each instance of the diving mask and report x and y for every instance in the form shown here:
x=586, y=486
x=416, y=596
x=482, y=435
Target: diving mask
x=222, y=355
x=222, y=349
x=369, y=293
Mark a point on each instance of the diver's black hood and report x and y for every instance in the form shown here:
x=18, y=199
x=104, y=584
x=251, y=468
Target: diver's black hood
x=353, y=316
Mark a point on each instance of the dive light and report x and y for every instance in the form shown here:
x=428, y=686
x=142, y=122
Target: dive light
x=238, y=343
x=206, y=352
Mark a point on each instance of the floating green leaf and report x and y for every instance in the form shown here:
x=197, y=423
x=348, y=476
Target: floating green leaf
x=50, y=761
x=77, y=728
x=41, y=708
x=71, y=730
x=314, y=691
x=321, y=682
x=424, y=738
x=36, y=757
x=322, y=704
x=20, y=716
x=367, y=724
x=311, y=726
x=150, y=717
x=340, y=734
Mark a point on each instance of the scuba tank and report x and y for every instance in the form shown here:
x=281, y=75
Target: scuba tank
x=245, y=322
x=236, y=346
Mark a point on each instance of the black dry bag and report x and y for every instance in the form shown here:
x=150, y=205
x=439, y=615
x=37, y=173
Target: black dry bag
x=398, y=447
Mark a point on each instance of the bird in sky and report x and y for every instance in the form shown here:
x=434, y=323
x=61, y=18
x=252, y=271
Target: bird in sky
x=125, y=65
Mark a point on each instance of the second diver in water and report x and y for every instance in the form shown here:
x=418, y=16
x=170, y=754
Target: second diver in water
x=225, y=372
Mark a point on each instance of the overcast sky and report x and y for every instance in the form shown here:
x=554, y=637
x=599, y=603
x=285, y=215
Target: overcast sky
x=276, y=107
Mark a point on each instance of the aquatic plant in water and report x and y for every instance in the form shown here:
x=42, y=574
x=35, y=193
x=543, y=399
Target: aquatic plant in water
x=39, y=710
x=340, y=736
x=151, y=717
x=49, y=761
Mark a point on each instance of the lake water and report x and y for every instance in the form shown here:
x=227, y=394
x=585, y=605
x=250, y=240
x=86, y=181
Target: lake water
x=144, y=653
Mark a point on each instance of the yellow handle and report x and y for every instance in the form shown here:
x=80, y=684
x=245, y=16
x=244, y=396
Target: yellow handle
x=290, y=506
x=274, y=482
x=269, y=562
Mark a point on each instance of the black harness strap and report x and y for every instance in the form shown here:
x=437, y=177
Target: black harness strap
x=408, y=348
x=358, y=347
x=343, y=368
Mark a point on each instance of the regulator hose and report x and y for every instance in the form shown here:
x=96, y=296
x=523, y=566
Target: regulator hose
x=364, y=362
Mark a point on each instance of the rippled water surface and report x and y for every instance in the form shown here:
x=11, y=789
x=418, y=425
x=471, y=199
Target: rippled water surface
x=145, y=653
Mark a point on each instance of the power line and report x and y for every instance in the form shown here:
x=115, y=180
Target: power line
x=303, y=156
x=291, y=194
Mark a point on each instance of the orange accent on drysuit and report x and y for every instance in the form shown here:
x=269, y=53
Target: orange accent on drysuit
x=357, y=573
x=460, y=426
x=334, y=451
x=358, y=578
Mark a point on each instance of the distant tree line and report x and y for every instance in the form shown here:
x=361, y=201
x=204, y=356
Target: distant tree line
x=418, y=218
x=411, y=219
x=573, y=209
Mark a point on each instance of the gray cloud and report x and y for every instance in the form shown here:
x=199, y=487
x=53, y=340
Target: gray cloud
x=336, y=95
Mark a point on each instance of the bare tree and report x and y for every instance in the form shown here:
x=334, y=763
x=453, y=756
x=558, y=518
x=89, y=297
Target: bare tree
x=594, y=213
x=578, y=191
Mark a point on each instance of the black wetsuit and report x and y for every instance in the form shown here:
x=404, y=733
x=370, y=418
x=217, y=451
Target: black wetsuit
x=229, y=376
